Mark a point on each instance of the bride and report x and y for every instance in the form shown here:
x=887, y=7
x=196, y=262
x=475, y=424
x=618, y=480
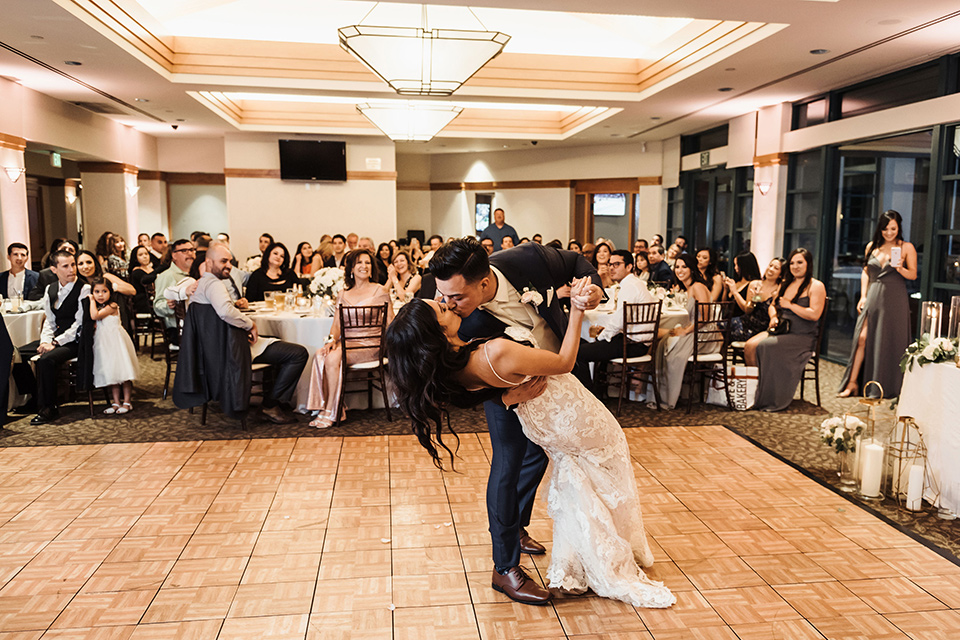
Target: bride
x=598, y=536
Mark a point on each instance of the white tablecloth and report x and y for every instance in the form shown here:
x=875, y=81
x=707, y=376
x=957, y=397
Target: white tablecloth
x=931, y=396
x=670, y=317
x=309, y=331
x=23, y=328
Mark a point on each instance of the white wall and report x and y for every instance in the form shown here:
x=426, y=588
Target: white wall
x=191, y=155
x=196, y=207
x=413, y=206
x=152, y=201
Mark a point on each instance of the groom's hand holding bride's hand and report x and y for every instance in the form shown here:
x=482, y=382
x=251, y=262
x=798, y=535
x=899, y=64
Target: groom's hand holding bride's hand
x=523, y=392
x=584, y=295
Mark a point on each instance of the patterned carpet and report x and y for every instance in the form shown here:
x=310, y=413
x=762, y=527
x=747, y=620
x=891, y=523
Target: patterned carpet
x=790, y=435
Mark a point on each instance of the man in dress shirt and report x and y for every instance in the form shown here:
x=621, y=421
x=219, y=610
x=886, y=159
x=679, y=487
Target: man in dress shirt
x=607, y=330
x=158, y=249
x=660, y=272
x=498, y=229
x=288, y=358
x=19, y=280
x=339, y=244
x=183, y=255
x=58, y=339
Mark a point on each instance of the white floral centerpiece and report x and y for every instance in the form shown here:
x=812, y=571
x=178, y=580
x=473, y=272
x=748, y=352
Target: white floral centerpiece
x=657, y=291
x=925, y=351
x=841, y=433
x=327, y=282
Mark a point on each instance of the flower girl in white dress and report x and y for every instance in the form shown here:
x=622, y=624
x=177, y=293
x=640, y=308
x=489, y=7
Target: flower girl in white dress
x=115, y=362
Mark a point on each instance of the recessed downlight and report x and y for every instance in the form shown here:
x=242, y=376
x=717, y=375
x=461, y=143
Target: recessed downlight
x=654, y=118
x=725, y=89
x=36, y=37
x=819, y=52
x=141, y=100
x=72, y=63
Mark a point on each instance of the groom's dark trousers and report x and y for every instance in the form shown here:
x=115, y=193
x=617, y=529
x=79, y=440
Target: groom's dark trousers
x=518, y=465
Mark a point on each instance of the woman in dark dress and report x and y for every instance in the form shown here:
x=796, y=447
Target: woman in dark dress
x=142, y=277
x=883, y=323
x=753, y=302
x=384, y=261
x=747, y=270
x=782, y=358
x=274, y=274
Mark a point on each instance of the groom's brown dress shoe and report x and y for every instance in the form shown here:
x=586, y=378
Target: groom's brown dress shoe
x=529, y=545
x=518, y=586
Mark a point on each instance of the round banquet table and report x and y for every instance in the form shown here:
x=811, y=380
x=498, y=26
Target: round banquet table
x=23, y=328
x=307, y=330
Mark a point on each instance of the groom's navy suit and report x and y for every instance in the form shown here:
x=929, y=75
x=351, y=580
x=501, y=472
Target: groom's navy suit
x=518, y=464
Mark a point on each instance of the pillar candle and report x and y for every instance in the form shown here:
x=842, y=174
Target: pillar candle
x=872, y=457
x=915, y=488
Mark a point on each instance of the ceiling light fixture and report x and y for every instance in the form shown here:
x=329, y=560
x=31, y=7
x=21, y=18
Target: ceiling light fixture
x=72, y=63
x=725, y=89
x=411, y=122
x=14, y=173
x=420, y=60
x=819, y=52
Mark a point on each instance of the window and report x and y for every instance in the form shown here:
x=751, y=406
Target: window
x=810, y=113
x=703, y=141
x=894, y=90
x=674, y=212
x=804, y=203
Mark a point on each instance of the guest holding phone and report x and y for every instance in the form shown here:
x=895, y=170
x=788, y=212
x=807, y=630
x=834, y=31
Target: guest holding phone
x=883, y=325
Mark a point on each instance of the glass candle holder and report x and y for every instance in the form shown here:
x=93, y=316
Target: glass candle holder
x=930, y=316
x=953, y=324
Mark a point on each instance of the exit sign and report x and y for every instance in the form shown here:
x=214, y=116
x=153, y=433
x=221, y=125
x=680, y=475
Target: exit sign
x=704, y=158
x=55, y=159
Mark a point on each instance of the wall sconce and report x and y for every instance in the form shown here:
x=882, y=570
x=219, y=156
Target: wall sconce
x=72, y=198
x=14, y=173
x=132, y=190
x=764, y=187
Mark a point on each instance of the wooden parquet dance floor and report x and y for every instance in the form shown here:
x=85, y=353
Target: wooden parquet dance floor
x=362, y=538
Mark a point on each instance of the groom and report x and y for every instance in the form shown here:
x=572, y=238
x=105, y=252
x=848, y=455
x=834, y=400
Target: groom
x=516, y=287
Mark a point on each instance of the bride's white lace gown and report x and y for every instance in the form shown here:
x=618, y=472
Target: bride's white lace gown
x=598, y=536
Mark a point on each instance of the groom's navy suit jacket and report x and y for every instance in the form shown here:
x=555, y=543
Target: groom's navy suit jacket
x=531, y=265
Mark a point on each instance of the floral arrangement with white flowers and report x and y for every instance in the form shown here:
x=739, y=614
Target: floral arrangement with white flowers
x=657, y=291
x=327, y=282
x=925, y=351
x=841, y=433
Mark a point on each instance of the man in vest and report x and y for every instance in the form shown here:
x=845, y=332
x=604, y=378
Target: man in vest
x=58, y=339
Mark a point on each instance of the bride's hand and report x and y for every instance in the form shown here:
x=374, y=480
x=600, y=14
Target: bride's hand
x=585, y=295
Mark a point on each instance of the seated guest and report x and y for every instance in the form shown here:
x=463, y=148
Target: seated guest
x=88, y=268
x=58, y=338
x=303, y=260
x=182, y=254
x=385, y=255
x=508, y=243
x=48, y=276
x=339, y=246
x=747, y=271
x=608, y=330
x=18, y=280
x=753, y=301
x=782, y=358
x=117, y=263
x=601, y=256
x=660, y=273
x=360, y=290
x=707, y=264
x=366, y=242
x=680, y=340
x=671, y=255
x=574, y=245
x=289, y=359
x=435, y=241
x=143, y=239
x=641, y=265
x=104, y=248
x=254, y=261
x=487, y=244
x=158, y=250
x=6, y=357
x=274, y=275
x=143, y=275
x=402, y=277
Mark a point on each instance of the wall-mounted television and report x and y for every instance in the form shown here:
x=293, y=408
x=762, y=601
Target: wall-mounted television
x=313, y=160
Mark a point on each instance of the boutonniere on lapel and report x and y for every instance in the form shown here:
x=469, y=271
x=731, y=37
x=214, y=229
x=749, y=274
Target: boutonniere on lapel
x=529, y=294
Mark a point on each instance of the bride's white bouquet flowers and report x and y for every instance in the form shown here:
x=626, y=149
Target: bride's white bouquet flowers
x=925, y=351
x=841, y=433
x=328, y=282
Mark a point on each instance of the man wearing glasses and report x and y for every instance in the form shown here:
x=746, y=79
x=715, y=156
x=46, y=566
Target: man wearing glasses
x=607, y=331
x=182, y=255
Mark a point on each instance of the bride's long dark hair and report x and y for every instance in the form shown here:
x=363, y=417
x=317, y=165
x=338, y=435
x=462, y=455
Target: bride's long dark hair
x=423, y=367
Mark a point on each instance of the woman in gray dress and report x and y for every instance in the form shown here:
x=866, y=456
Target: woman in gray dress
x=883, y=326
x=782, y=358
